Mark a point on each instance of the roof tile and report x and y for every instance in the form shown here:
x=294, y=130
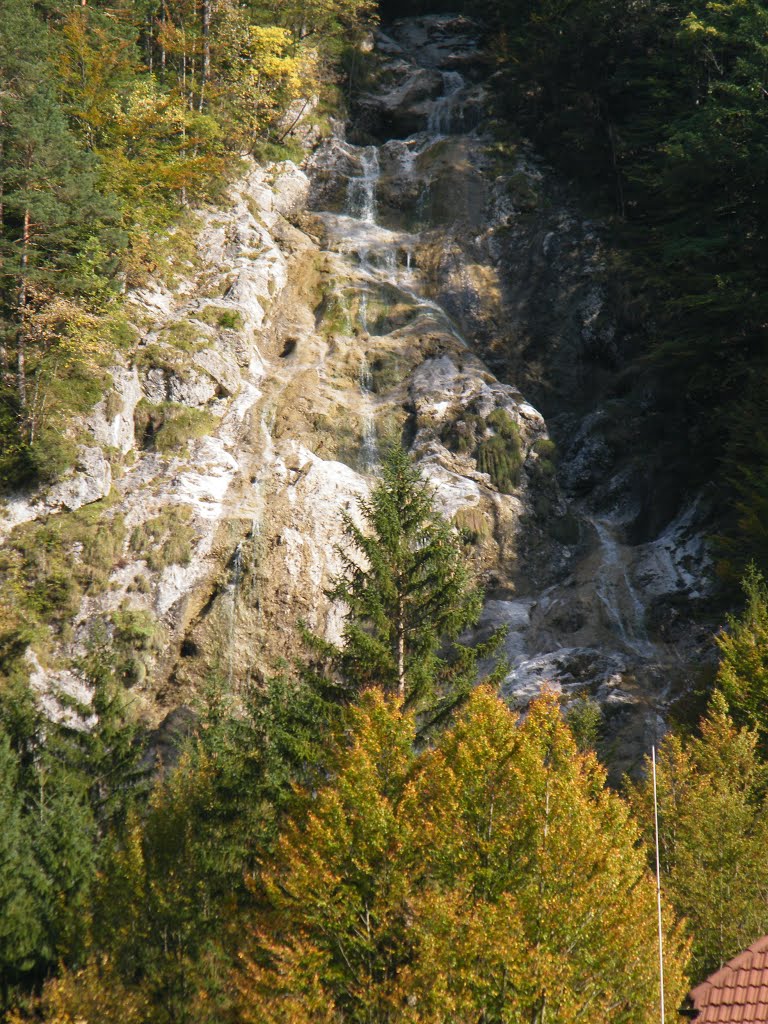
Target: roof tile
x=738, y=992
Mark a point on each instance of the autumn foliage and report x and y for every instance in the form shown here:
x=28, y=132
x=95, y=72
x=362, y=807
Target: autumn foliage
x=493, y=878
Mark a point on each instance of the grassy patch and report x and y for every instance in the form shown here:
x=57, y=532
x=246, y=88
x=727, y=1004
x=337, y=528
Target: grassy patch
x=275, y=152
x=461, y=435
x=546, y=463
x=502, y=461
x=47, y=568
x=472, y=525
x=136, y=638
x=185, y=336
x=167, y=539
x=494, y=441
x=221, y=316
x=334, y=315
x=168, y=426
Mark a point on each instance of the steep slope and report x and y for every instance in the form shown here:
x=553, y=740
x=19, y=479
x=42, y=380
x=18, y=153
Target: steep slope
x=396, y=288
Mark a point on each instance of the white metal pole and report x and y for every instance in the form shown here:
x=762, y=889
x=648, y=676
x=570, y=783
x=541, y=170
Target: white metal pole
x=658, y=884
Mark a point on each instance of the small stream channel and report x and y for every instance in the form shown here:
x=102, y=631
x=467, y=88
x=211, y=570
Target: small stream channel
x=584, y=627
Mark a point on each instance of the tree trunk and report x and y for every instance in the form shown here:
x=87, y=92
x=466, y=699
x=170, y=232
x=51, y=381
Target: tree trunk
x=21, y=367
x=400, y=626
x=206, y=68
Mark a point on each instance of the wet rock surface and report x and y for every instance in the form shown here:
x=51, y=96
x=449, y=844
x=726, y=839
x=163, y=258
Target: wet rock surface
x=405, y=285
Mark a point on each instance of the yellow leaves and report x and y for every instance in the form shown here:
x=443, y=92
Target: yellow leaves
x=487, y=877
x=263, y=71
x=95, y=994
x=692, y=25
x=91, y=65
x=49, y=319
x=148, y=109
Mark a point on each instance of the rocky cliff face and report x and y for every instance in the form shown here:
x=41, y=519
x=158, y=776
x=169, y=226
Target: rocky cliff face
x=413, y=283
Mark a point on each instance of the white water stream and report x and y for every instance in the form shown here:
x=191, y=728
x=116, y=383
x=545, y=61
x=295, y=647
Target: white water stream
x=443, y=111
x=591, y=627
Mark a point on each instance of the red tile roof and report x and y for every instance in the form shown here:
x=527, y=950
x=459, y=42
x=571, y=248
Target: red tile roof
x=738, y=992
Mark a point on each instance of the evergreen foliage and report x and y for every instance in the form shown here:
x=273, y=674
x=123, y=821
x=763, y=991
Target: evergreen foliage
x=174, y=880
x=409, y=597
x=659, y=110
x=742, y=675
x=713, y=828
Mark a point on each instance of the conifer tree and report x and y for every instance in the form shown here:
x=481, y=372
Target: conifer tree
x=409, y=597
x=742, y=675
x=21, y=929
x=713, y=827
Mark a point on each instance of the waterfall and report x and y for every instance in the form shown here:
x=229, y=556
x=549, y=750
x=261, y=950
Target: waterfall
x=441, y=114
x=234, y=590
x=616, y=592
x=363, y=311
x=369, y=455
x=361, y=189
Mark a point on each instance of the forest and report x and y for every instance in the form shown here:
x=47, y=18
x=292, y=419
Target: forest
x=370, y=835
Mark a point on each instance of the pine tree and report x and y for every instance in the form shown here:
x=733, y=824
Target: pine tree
x=56, y=230
x=21, y=926
x=174, y=882
x=64, y=844
x=742, y=675
x=409, y=597
x=713, y=827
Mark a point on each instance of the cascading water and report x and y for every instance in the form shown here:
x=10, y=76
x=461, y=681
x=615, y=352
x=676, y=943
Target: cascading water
x=362, y=310
x=370, y=445
x=361, y=189
x=590, y=626
x=444, y=107
x=614, y=588
x=235, y=581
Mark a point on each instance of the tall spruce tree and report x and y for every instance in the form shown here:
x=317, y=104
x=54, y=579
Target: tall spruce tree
x=743, y=672
x=713, y=830
x=409, y=596
x=21, y=928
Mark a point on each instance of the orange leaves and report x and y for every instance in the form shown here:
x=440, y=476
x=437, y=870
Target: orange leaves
x=487, y=879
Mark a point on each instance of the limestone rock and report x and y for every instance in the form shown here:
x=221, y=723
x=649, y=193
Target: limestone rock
x=91, y=480
x=116, y=431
